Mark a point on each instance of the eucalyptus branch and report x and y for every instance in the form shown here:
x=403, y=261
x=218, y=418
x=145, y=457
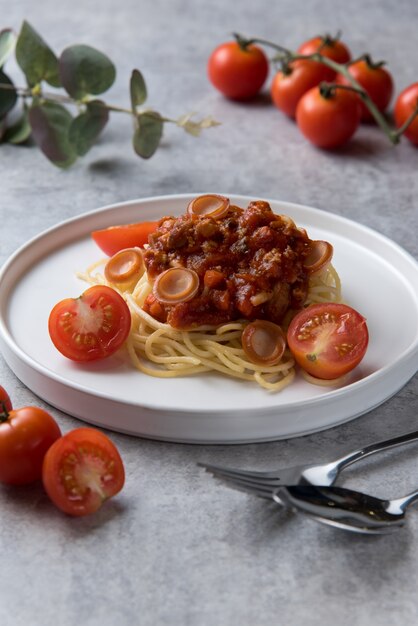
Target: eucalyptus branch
x=84, y=73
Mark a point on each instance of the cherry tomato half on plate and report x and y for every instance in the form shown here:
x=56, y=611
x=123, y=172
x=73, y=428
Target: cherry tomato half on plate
x=328, y=121
x=92, y=326
x=328, y=340
x=406, y=104
x=238, y=73
x=116, y=238
x=5, y=402
x=82, y=470
x=25, y=436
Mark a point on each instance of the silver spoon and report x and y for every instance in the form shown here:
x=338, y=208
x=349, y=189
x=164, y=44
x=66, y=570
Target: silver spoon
x=345, y=508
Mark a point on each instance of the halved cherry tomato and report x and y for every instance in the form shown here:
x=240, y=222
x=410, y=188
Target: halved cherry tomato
x=82, y=470
x=5, y=402
x=237, y=73
x=328, y=340
x=92, y=326
x=25, y=436
x=116, y=238
x=330, y=47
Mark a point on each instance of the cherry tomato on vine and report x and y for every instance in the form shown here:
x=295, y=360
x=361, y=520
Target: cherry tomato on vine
x=82, y=470
x=92, y=326
x=236, y=72
x=25, y=436
x=289, y=86
x=376, y=80
x=5, y=402
x=116, y=238
x=329, y=120
x=406, y=104
x=328, y=340
x=329, y=47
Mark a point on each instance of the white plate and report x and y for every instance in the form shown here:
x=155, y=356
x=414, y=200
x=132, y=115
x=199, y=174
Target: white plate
x=378, y=277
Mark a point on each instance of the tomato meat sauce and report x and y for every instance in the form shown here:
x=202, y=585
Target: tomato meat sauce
x=250, y=265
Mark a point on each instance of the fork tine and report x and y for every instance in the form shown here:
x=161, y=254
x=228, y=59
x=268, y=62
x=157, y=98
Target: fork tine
x=245, y=474
x=259, y=489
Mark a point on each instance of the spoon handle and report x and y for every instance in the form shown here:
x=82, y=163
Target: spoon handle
x=404, y=502
x=348, y=459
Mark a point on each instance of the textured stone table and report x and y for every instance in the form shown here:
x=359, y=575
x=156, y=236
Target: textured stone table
x=174, y=547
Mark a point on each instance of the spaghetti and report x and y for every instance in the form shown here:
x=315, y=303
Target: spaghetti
x=158, y=348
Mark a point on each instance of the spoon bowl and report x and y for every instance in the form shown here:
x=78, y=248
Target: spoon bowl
x=345, y=508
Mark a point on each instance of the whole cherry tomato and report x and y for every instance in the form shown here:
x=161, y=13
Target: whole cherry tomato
x=5, y=402
x=290, y=85
x=329, y=47
x=116, y=238
x=236, y=72
x=406, y=104
x=328, y=340
x=92, y=326
x=25, y=436
x=328, y=121
x=81, y=470
x=374, y=79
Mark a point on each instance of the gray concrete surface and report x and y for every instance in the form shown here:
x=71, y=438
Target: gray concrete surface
x=175, y=548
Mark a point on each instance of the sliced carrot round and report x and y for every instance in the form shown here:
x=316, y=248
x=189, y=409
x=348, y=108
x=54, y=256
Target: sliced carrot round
x=320, y=255
x=177, y=284
x=124, y=266
x=209, y=205
x=263, y=342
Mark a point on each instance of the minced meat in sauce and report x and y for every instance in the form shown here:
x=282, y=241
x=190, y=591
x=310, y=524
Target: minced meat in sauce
x=249, y=262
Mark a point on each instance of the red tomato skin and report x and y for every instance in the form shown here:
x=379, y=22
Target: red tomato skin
x=116, y=238
x=288, y=88
x=25, y=437
x=335, y=50
x=328, y=122
x=327, y=362
x=84, y=455
x=104, y=342
x=238, y=74
x=5, y=399
x=377, y=82
x=406, y=103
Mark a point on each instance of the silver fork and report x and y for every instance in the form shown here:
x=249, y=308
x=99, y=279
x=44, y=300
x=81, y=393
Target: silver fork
x=263, y=484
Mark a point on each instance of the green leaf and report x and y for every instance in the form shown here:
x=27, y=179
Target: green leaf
x=7, y=44
x=35, y=58
x=138, y=89
x=85, y=128
x=85, y=71
x=50, y=123
x=19, y=132
x=148, y=134
x=8, y=97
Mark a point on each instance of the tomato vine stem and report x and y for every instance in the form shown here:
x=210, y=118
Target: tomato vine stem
x=286, y=56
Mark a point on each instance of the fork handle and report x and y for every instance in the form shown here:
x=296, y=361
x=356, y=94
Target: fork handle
x=357, y=455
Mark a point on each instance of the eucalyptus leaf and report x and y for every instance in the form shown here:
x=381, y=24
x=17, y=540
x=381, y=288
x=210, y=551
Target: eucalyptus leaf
x=86, y=127
x=50, y=123
x=8, y=97
x=85, y=71
x=148, y=134
x=7, y=44
x=138, y=89
x=19, y=132
x=35, y=58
